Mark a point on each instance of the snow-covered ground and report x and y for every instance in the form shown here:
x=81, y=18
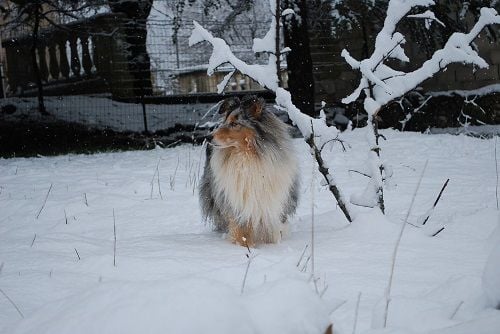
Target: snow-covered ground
x=174, y=275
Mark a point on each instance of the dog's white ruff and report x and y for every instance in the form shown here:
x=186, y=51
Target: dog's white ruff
x=255, y=188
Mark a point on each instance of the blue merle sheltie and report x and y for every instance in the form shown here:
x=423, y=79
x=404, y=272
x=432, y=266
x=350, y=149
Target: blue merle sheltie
x=250, y=183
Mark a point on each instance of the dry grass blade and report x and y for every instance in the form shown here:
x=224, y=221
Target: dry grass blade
x=356, y=313
x=396, y=247
x=437, y=200
x=12, y=303
x=496, y=169
x=44, y=202
x=114, y=244
x=77, y=255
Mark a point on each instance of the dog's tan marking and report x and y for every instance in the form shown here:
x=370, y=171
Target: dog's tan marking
x=243, y=139
x=241, y=234
x=256, y=108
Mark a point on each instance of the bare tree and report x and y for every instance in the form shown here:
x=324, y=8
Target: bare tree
x=380, y=83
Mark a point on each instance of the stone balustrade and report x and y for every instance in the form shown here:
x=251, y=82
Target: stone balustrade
x=75, y=58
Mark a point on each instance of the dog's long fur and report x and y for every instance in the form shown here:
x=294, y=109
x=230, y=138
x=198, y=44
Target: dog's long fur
x=250, y=182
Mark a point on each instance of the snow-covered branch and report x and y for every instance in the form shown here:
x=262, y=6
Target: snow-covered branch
x=429, y=17
x=222, y=54
x=388, y=84
x=265, y=75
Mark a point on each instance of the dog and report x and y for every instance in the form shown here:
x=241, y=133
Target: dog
x=250, y=182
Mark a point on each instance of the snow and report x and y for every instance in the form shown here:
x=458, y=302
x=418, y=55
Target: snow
x=429, y=17
x=268, y=42
x=187, y=306
x=475, y=130
x=486, y=90
x=288, y=11
x=173, y=274
x=491, y=275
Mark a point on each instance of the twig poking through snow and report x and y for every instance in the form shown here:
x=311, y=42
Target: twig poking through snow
x=173, y=144
x=65, y=217
x=77, y=255
x=325, y=287
x=456, y=310
x=158, y=178
x=250, y=258
x=436, y=201
x=44, y=202
x=85, y=198
x=361, y=173
x=153, y=182
x=302, y=255
x=114, y=244
x=356, y=312
x=304, y=267
x=338, y=306
x=496, y=169
x=313, y=177
x=439, y=231
x=396, y=247
x=12, y=303
x=33, y=242
x=172, y=178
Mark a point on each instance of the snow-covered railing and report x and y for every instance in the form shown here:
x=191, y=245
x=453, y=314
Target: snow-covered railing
x=68, y=53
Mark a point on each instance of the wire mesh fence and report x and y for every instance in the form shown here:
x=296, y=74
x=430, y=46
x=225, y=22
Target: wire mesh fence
x=110, y=72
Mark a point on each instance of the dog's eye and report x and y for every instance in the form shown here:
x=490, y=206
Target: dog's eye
x=233, y=124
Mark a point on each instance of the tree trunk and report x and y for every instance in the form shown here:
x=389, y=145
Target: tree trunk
x=36, y=69
x=380, y=189
x=2, y=93
x=277, y=51
x=299, y=62
x=135, y=31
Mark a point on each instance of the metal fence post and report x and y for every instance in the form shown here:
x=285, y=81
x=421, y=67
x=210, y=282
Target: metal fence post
x=2, y=92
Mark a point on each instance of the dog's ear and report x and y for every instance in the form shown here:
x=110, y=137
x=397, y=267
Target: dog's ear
x=254, y=106
x=229, y=105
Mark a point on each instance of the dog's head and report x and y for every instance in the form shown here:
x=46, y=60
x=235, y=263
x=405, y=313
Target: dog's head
x=240, y=123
